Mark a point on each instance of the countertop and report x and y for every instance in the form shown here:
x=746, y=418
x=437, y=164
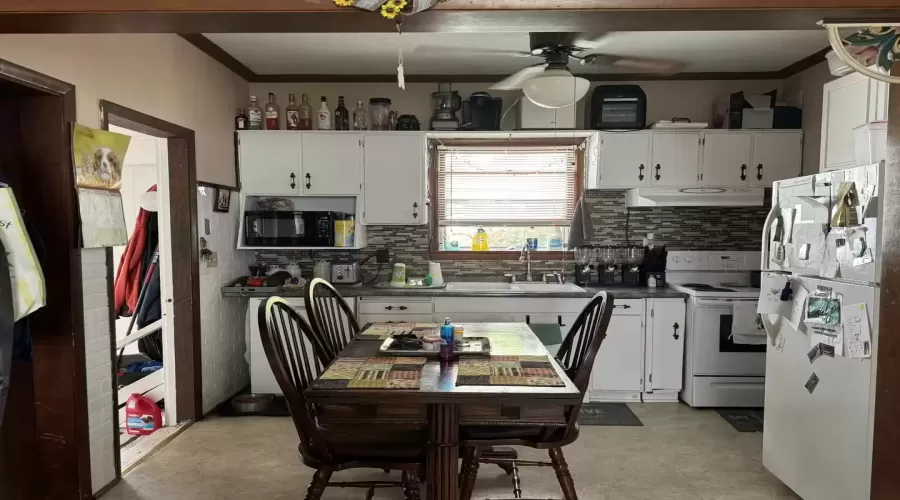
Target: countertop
x=621, y=292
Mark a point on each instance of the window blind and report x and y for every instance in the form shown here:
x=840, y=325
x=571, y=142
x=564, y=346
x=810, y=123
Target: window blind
x=511, y=186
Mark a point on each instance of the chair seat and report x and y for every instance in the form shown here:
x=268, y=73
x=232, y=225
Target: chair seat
x=375, y=442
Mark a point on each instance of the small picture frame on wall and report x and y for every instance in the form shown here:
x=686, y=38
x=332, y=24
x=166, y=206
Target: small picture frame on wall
x=222, y=202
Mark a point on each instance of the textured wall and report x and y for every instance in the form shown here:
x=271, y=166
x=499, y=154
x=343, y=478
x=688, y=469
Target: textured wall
x=805, y=90
x=679, y=228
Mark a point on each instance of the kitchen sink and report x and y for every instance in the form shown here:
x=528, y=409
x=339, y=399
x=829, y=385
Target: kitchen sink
x=478, y=286
x=545, y=287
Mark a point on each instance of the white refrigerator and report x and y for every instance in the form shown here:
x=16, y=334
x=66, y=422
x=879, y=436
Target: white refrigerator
x=822, y=233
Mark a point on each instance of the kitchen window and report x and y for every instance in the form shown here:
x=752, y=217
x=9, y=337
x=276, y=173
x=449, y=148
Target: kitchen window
x=505, y=192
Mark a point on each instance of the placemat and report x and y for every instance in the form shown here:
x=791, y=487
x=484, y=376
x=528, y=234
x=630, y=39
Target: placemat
x=372, y=373
x=381, y=331
x=508, y=370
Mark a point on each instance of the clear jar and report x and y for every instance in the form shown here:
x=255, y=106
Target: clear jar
x=380, y=113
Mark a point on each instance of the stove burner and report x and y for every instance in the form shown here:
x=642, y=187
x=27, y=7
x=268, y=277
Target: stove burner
x=698, y=287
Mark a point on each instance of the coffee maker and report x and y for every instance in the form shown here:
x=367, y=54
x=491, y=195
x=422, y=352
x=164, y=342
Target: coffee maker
x=444, y=104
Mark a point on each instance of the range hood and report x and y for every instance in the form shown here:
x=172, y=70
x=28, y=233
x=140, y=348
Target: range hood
x=695, y=197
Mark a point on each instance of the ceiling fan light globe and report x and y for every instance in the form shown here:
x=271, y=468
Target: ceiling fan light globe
x=555, y=88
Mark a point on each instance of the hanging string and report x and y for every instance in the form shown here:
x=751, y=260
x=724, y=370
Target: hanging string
x=401, y=78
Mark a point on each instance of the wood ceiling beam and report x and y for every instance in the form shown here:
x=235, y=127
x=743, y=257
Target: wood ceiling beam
x=281, y=6
x=621, y=77
x=434, y=21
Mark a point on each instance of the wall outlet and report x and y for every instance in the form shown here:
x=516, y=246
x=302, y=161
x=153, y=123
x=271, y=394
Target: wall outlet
x=213, y=260
x=382, y=256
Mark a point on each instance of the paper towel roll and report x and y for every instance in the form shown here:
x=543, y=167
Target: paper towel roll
x=434, y=269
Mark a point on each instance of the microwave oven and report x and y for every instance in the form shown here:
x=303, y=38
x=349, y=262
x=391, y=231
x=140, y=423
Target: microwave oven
x=289, y=229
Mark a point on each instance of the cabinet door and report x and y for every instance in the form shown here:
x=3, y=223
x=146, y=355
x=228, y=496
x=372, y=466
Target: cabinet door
x=618, y=366
x=395, y=179
x=474, y=318
x=845, y=106
x=675, y=160
x=624, y=159
x=269, y=162
x=665, y=344
x=726, y=159
x=776, y=156
x=332, y=163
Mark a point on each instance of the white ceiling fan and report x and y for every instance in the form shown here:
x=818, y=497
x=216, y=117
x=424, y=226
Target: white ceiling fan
x=550, y=83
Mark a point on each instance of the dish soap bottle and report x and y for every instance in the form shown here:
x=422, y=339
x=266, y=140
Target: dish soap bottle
x=446, y=340
x=480, y=241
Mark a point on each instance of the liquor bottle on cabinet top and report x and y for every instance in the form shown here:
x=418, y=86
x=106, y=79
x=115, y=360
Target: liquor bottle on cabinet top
x=324, y=115
x=240, y=120
x=341, y=116
x=254, y=115
x=292, y=114
x=360, y=117
x=272, y=112
x=306, y=114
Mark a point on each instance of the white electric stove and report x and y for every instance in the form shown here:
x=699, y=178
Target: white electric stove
x=717, y=372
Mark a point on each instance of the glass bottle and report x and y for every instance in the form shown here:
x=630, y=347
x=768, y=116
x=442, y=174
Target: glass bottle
x=324, y=115
x=240, y=120
x=254, y=115
x=360, y=118
x=292, y=114
x=341, y=115
x=272, y=112
x=306, y=114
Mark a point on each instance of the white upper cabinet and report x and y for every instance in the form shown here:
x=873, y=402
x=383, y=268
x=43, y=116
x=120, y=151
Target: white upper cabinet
x=847, y=103
x=395, y=178
x=269, y=162
x=665, y=344
x=675, y=159
x=332, y=164
x=726, y=159
x=776, y=156
x=624, y=159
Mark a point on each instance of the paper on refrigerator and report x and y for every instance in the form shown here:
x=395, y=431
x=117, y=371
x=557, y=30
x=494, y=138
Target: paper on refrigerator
x=798, y=306
x=857, y=336
x=823, y=322
x=770, y=301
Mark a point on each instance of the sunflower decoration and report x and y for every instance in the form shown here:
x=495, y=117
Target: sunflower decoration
x=344, y=3
x=391, y=8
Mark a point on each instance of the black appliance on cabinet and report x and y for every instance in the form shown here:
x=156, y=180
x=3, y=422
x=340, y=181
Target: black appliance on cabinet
x=289, y=229
x=482, y=112
x=618, y=107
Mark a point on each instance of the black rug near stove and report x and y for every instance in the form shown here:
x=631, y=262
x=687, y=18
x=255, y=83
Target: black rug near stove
x=743, y=419
x=617, y=414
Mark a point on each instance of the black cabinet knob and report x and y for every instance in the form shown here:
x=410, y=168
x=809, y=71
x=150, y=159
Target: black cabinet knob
x=657, y=171
x=759, y=172
x=641, y=172
x=743, y=172
x=675, y=331
x=308, y=181
x=293, y=178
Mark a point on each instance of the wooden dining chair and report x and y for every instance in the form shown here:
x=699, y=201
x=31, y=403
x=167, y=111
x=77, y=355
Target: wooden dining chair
x=296, y=360
x=576, y=356
x=331, y=317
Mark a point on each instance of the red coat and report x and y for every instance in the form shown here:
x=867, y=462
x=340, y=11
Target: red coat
x=128, y=276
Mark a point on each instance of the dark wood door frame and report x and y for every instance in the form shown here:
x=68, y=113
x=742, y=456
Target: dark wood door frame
x=58, y=408
x=184, y=249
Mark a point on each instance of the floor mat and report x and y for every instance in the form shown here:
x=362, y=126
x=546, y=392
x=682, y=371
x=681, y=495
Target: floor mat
x=608, y=414
x=743, y=419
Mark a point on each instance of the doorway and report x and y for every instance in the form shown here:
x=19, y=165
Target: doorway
x=163, y=156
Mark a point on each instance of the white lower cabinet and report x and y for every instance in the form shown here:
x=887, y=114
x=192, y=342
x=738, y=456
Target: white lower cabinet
x=664, y=351
x=618, y=367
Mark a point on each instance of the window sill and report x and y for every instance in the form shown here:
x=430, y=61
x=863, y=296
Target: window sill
x=498, y=255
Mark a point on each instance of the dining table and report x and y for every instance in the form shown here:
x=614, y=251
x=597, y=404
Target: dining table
x=517, y=384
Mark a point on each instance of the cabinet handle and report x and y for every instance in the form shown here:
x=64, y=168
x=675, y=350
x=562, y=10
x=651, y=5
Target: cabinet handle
x=559, y=321
x=641, y=172
x=402, y=308
x=415, y=213
x=675, y=331
x=308, y=179
x=623, y=306
x=389, y=307
x=657, y=171
x=759, y=172
x=293, y=178
x=743, y=172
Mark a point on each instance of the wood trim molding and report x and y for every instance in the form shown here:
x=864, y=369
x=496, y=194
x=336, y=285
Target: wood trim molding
x=803, y=64
x=224, y=58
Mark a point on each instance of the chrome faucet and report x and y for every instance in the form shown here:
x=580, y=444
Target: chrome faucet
x=526, y=256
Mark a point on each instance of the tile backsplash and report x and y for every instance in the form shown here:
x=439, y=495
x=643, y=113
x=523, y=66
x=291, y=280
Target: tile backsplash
x=678, y=228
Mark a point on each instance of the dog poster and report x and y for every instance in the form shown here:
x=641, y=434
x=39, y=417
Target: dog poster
x=98, y=156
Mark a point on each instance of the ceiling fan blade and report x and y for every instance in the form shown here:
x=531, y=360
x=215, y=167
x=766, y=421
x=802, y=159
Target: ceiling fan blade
x=635, y=63
x=517, y=79
x=449, y=49
x=591, y=41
